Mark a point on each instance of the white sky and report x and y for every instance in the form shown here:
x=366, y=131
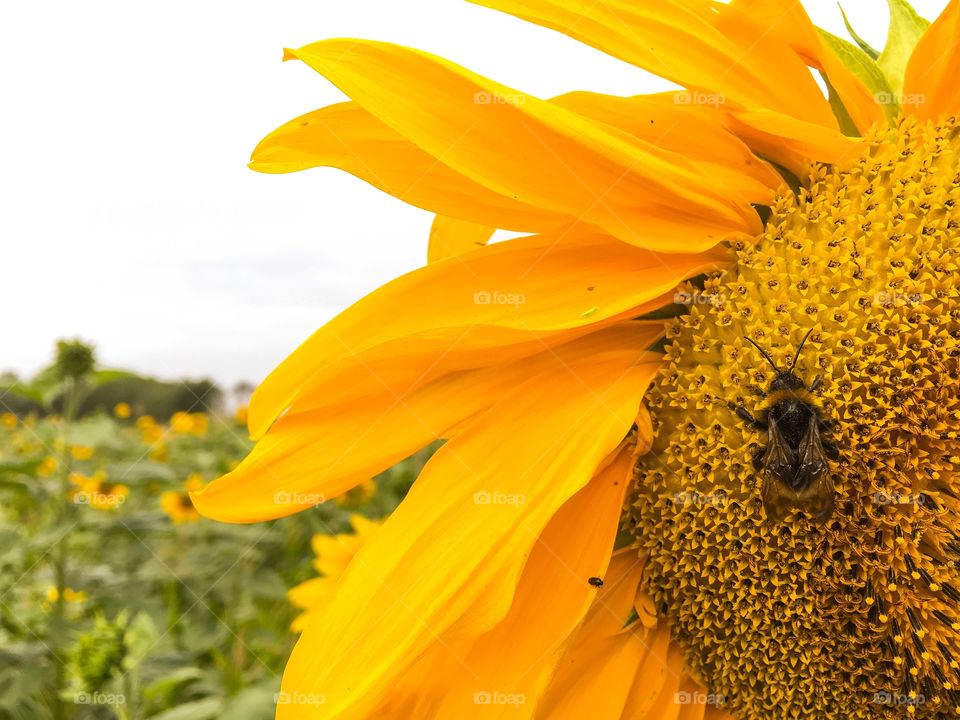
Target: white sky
x=129, y=217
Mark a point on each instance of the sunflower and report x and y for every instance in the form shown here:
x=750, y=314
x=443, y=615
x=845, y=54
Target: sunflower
x=333, y=555
x=592, y=540
x=177, y=503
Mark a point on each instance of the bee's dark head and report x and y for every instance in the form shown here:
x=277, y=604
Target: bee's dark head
x=786, y=381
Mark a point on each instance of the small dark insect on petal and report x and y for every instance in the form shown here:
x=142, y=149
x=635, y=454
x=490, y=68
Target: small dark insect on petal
x=596, y=582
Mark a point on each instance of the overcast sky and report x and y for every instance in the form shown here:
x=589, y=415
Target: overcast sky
x=129, y=217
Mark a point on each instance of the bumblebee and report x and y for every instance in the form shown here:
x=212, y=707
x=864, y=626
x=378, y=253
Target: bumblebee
x=795, y=460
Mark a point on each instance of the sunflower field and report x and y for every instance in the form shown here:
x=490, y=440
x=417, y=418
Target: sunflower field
x=117, y=600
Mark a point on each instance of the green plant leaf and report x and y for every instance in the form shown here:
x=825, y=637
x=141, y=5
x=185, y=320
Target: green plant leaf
x=864, y=45
x=847, y=126
x=906, y=28
x=196, y=710
x=140, y=638
x=861, y=65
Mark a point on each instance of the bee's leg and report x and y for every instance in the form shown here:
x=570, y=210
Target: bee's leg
x=817, y=382
x=758, y=458
x=758, y=391
x=830, y=449
x=826, y=425
x=745, y=415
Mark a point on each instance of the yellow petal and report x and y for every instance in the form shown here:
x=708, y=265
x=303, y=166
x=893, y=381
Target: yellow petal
x=600, y=654
x=346, y=136
x=450, y=237
x=310, y=456
x=657, y=676
x=930, y=85
x=515, y=292
x=526, y=148
x=311, y=596
x=310, y=593
x=788, y=22
x=712, y=48
x=791, y=142
x=446, y=563
x=363, y=526
x=551, y=598
x=699, y=136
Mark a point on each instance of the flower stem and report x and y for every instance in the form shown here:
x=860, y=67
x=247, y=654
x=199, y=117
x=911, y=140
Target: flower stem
x=61, y=551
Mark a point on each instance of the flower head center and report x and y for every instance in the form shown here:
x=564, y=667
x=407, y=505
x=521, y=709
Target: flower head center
x=797, y=610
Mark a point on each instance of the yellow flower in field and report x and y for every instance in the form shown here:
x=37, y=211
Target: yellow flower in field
x=240, y=415
x=178, y=505
x=150, y=431
x=122, y=410
x=69, y=595
x=81, y=452
x=80, y=480
x=96, y=492
x=109, y=496
x=333, y=554
x=189, y=423
x=9, y=420
x=790, y=542
x=159, y=452
x=48, y=466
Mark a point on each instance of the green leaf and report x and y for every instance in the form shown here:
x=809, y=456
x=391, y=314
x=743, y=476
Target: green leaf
x=168, y=684
x=100, y=377
x=847, y=126
x=196, y=710
x=861, y=65
x=864, y=45
x=141, y=637
x=257, y=703
x=19, y=466
x=906, y=28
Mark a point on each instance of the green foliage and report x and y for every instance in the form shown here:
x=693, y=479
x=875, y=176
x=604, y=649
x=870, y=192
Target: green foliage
x=906, y=28
x=881, y=72
x=865, y=68
x=112, y=608
x=74, y=360
x=97, y=654
x=147, y=396
x=74, y=375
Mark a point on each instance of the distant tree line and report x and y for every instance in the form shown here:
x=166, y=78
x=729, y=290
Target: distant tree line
x=104, y=389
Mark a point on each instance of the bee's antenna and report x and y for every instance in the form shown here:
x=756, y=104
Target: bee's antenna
x=763, y=352
x=797, y=356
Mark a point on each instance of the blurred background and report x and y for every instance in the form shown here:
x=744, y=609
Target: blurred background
x=174, y=279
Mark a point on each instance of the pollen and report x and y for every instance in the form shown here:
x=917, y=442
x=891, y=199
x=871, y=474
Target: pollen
x=856, y=616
